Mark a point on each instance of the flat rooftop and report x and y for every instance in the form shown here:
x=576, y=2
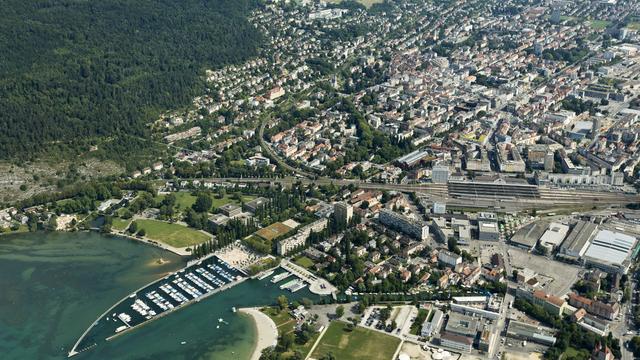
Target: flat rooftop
x=611, y=247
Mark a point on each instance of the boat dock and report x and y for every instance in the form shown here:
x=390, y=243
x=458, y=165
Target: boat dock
x=276, y=279
x=266, y=275
x=159, y=298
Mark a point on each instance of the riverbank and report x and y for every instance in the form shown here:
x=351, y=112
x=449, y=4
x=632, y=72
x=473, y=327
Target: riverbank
x=266, y=331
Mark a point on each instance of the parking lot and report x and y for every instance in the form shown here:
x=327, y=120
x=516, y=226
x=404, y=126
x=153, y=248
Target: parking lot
x=402, y=315
x=546, y=268
x=557, y=277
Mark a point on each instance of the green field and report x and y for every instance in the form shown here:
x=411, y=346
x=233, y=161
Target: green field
x=171, y=234
x=229, y=199
x=360, y=343
x=120, y=224
x=184, y=199
x=305, y=262
x=599, y=24
x=572, y=353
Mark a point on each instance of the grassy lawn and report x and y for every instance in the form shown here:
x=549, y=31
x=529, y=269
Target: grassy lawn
x=171, y=234
x=599, y=24
x=229, y=199
x=184, y=199
x=360, y=343
x=572, y=353
x=286, y=324
x=284, y=321
x=21, y=229
x=305, y=262
x=120, y=224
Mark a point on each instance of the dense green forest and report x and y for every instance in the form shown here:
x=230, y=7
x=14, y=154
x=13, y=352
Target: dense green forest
x=77, y=72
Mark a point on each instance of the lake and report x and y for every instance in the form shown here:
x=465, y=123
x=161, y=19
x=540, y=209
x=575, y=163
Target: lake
x=54, y=285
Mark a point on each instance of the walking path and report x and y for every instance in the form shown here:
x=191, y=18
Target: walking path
x=317, y=342
x=317, y=285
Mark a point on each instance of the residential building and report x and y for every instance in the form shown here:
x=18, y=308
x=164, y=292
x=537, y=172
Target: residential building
x=449, y=258
x=595, y=307
x=552, y=304
x=414, y=228
x=343, y=211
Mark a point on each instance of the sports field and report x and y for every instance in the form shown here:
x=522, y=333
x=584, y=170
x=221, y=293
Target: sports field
x=360, y=343
x=273, y=231
x=172, y=234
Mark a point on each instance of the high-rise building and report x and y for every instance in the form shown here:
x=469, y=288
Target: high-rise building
x=343, y=211
x=549, y=161
x=440, y=174
x=414, y=228
x=555, y=16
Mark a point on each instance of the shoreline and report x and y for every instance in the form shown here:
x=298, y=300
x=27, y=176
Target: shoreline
x=266, y=331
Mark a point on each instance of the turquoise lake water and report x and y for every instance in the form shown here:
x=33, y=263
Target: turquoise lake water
x=54, y=285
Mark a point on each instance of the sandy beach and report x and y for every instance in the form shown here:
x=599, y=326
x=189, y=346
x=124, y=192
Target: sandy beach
x=265, y=329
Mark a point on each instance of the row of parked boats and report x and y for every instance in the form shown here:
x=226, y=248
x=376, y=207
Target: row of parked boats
x=179, y=288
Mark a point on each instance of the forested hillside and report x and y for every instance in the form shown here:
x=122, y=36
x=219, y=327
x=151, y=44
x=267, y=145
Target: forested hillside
x=73, y=71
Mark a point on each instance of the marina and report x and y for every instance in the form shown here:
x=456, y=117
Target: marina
x=266, y=275
x=276, y=279
x=191, y=284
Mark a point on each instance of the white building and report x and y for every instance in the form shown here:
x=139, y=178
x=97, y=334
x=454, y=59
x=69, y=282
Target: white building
x=449, y=258
x=611, y=251
x=414, y=228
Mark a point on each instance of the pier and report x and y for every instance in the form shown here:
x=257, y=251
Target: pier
x=198, y=280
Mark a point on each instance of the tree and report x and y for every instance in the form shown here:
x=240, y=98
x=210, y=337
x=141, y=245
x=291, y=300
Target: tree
x=169, y=200
x=452, y=245
x=283, y=302
x=339, y=311
x=142, y=232
x=385, y=314
x=203, y=203
x=133, y=227
x=286, y=341
x=634, y=345
x=328, y=356
x=222, y=192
